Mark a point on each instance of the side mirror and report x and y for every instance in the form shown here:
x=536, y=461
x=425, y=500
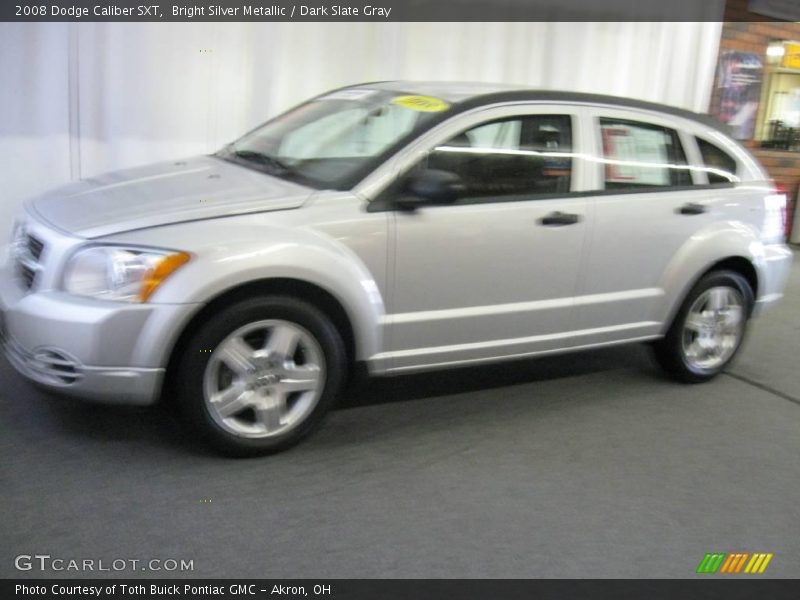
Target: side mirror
x=430, y=186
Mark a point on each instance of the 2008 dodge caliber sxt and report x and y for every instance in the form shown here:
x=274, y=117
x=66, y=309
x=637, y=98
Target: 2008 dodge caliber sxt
x=406, y=226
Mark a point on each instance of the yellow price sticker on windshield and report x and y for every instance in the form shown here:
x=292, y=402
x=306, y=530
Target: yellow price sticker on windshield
x=421, y=103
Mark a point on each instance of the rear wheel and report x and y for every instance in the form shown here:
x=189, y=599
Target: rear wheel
x=261, y=375
x=708, y=329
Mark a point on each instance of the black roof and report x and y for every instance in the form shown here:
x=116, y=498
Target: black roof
x=468, y=95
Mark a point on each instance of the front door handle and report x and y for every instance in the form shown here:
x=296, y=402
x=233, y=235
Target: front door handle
x=559, y=219
x=692, y=208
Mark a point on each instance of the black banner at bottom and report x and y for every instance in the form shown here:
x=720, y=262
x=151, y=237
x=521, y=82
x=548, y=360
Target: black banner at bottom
x=390, y=589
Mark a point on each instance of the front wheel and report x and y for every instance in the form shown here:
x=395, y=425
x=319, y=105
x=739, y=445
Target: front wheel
x=261, y=374
x=708, y=329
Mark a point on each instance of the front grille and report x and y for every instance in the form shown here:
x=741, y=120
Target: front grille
x=26, y=275
x=55, y=366
x=45, y=365
x=35, y=247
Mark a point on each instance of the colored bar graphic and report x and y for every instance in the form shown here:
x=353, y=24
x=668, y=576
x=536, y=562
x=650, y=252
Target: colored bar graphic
x=765, y=563
x=759, y=562
x=727, y=564
x=742, y=561
x=721, y=562
x=711, y=562
x=753, y=561
x=735, y=562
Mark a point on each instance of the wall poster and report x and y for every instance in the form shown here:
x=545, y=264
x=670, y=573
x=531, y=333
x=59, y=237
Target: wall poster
x=739, y=76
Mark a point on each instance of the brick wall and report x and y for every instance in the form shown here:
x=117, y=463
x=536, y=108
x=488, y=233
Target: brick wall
x=783, y=167
x=750, y=32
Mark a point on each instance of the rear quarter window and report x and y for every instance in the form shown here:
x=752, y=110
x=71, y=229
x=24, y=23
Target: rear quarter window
x=719, y=165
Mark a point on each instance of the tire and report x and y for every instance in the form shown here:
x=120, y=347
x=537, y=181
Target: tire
x=708, y=329
x=260, y=375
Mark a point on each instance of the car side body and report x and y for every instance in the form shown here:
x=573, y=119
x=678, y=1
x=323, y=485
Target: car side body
x=408, y=287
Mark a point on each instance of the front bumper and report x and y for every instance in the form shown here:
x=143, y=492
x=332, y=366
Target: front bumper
x=104, y=351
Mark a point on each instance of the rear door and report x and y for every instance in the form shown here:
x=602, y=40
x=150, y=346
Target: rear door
x=650, y=202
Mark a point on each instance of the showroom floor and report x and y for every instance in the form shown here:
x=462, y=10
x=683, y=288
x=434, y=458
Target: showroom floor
x=591, y=465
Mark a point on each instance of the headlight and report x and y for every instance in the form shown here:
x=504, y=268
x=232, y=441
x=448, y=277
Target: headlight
x=122, y=274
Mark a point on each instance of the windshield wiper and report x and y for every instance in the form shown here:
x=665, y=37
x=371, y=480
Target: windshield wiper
x=273, y=163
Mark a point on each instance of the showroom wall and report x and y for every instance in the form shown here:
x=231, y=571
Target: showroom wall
x=80, y=99
x=741, y=32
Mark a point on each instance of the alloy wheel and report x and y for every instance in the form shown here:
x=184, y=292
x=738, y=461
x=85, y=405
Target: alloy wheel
x=713, y=328
x=264, y=379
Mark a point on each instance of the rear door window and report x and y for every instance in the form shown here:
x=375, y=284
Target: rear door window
x=642, y=156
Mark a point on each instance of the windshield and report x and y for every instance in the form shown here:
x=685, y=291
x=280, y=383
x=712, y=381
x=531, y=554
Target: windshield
x=333, y=141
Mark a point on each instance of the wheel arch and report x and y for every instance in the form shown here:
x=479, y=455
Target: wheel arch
x=317, y=296
x=731, y=245
x=736, y=263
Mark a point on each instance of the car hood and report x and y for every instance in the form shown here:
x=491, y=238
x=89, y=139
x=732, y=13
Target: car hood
x=203, y=187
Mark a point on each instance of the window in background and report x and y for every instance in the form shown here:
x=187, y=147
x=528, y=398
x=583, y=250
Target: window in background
x=779, y=119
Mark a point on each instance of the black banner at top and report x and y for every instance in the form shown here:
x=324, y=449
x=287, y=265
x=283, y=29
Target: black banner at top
x=364, y=10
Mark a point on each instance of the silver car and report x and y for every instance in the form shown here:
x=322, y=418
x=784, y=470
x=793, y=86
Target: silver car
x=406, y=226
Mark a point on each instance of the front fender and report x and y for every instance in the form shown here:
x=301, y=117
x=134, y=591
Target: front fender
x=273, y=252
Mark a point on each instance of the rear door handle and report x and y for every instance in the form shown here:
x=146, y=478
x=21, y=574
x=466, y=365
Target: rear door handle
x=559, y=219
x=692, y=208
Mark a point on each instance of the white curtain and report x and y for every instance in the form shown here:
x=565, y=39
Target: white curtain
x=77, y=99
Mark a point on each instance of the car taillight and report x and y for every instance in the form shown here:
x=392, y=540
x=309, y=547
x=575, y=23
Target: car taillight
x=784, y=210
x=775, y=221
x=788, y=212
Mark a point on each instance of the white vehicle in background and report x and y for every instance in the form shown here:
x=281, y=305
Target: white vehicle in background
x=401, y=225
